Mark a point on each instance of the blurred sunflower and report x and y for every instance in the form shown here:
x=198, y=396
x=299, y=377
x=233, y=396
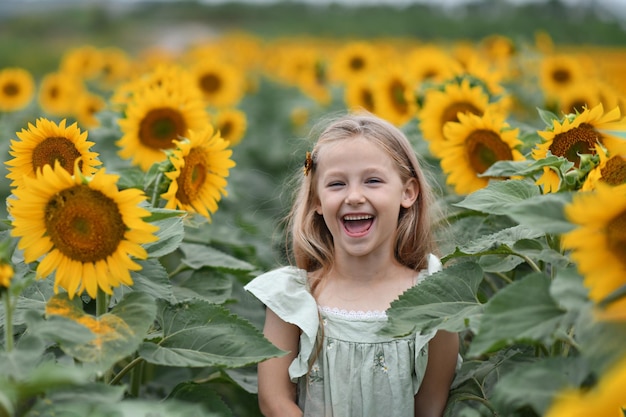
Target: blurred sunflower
x=84, y=229
x=221, y=84
x=430, y=63
x=6, y=275
x=472, y=145
x=576, y=97
x=394, y=96
x=86, y=107
x=116, y=67
x=605, y=398
x=231, y=125
x=58, y=92
x=359, y=94
x=201, y=165
x=578, y=134
x=84, y=62
x=442, y=106
x=610, y=170
x=154, y=118
x=559, y=71
x=354, y=59
x=17, y=88
x=47, y=143
x=598, y=243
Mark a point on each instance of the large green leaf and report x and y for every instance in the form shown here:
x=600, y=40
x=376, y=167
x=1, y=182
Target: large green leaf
x=534, y=385
x=201, y=394
x=152, y=279
x=170, y=234
x=445, y=300
x=523, y=311
x=208, y=284
x=198, y=256
x=197, y=333
x=499, y=196
x=522, y=201
x=118, y=333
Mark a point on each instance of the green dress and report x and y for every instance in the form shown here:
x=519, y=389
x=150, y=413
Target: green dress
x=357, y=372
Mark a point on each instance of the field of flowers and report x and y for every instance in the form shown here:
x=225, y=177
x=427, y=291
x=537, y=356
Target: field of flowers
x=144, y=189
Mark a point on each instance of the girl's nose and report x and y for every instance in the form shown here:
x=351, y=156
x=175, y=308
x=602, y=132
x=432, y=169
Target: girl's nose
x=355, y=196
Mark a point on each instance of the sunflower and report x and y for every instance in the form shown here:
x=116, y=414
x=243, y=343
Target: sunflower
x=57, y=93
x=231, y=125
x=605, y=398
x=155, y=117
x=559, y=71
x=359, y=94
x=394, y=96
x=575, y=97
x=353, y=59
x=430, y=63
x=598, y=243
x=221, y=84
x=6, y=275
x=84, y=62
x=47, y=143
x=201, y=165
x=116, y=66
x=442, y=106
x=86, y=108
x=473, y=144
x=83, y=228
x=610, y=170
x=578, y=134
x=17, y=88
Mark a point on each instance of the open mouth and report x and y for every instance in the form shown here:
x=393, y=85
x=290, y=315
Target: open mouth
x=357, y=225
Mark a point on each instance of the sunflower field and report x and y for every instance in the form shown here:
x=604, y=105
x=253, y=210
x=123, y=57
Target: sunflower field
x=145, y=186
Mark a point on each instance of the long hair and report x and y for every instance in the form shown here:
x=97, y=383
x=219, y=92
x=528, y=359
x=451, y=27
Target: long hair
x=310, y=243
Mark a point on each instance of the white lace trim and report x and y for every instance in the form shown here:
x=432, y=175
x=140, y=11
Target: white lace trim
x=352, y=314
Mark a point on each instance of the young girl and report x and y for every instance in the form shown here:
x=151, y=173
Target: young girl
x=360, y=234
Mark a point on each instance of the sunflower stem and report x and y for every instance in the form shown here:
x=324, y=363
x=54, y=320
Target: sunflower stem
x=102, y=301
x=155, y=191
x=117, y=378
x=136, y=376
x=8, y=325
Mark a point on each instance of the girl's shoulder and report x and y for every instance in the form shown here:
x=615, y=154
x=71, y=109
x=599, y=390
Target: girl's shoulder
x=284, y=290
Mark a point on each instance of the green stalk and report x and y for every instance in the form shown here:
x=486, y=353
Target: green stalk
x=136, y=376
x=8, y=325
x=102, y=302
x=155, y=191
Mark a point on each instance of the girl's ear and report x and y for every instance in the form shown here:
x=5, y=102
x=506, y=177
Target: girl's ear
x=410, y=193
x=318, y=207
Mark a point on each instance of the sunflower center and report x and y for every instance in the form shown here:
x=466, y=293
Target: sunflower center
x=484, y=147
x=616, y=236
x=575, y=142
x=561, y=76
x=450, y=112
x=192, y=177
x=396, y=90
x=11, y=89
x=226, y=128
x=357, y=63
x=614, y=171
x=84, y=224
x=577, y=106
x=160, y=127
x=210, y=83
x=53, y=149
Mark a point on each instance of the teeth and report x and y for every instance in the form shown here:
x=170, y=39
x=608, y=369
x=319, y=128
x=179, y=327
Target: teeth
x=361, y=217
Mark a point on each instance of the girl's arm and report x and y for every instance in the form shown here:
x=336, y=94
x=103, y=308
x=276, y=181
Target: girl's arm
x=431, y=398
x=277, y=394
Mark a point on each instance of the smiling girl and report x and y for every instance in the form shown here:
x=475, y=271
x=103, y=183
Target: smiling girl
x=360, y=234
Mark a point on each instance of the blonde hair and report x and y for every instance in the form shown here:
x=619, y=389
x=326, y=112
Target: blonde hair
x=310, y=244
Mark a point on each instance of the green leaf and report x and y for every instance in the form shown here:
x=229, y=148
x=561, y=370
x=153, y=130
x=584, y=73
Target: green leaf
x=118, y=333
x=536, y=384
x=201, y=394
x=521, y=312
x=206, y=284
x=170, y=234
x=197, y=333
x=445, y=300
x=152, y=279
x=198, y=256
x=157, y=214
x=499, y=196
x=548, y=117
x=527, y=168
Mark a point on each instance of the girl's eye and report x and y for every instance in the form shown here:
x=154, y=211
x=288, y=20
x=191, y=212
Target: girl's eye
x=373, y=180
x=335, y=184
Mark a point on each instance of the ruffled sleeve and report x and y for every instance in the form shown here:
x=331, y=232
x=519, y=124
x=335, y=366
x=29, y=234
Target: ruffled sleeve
x=285, y=292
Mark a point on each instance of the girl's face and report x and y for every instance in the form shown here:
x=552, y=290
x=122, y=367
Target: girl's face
x=360, y=193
